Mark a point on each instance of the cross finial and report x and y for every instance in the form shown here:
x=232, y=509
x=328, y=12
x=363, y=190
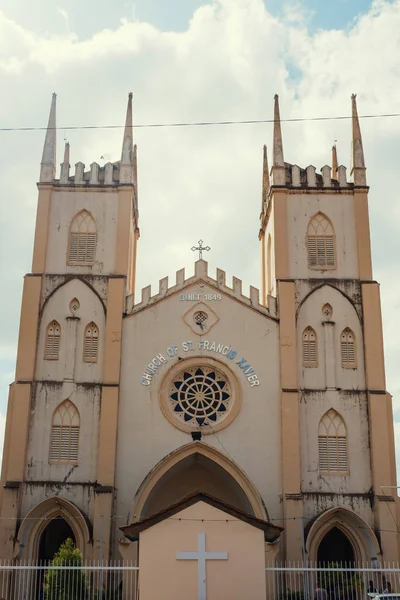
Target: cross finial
x=200, y=249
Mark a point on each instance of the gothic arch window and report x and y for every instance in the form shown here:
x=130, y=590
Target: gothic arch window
x=321, y=243
x=332, y=444
x=348, y=349
x=64, y=442
x=91, y=343
x=52, y=342
x=310, y=348
x=82, y=240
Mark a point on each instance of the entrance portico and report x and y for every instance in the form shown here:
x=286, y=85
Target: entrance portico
x=233, y=567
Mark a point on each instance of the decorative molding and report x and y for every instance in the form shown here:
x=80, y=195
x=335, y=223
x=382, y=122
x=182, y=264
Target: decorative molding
x=382, y=498
x=12, y=485
x=104, y=489
x=294, y=496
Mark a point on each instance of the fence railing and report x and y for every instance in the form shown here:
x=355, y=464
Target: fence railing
x=344, y=581
x=120, y=581
x=90, y=581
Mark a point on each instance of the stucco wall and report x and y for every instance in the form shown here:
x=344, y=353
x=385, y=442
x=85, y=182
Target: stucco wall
x=241, y=576
x=353, y=409
x=35, y=493
x=145, y=436
x=339, y=209
x=343, y=315
x=64, y=207
x=47, y=397
x=70, y=363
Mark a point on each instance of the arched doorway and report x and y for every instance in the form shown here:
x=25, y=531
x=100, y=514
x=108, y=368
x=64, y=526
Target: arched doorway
x=195, y=473
x=55, y=534
x=340, y=535
x=192, y=468
x=52, y=519
x=335, y=547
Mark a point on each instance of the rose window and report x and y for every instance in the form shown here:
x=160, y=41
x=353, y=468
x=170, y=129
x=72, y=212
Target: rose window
x=199, y=317
x=200, y=397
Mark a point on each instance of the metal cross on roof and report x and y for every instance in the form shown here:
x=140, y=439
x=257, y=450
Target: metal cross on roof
x=200, y=248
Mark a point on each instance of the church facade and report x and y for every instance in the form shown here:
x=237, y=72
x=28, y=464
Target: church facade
x=273, y=404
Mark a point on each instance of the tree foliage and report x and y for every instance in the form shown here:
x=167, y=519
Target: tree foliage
x=66, y=583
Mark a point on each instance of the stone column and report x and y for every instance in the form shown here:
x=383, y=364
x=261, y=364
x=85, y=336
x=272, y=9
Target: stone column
x=330, y=355
x=291, y=473
x=70, y=354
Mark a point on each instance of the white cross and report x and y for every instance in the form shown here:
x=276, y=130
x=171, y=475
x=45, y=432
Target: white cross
x=201, y=556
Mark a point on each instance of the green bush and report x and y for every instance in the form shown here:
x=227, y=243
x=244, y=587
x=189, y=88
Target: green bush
x=66, y=584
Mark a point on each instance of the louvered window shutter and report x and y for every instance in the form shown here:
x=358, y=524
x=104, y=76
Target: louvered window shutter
x=329, y=251
x=312, y=349
x=323, y=453
x=320, y=243
x=342, y=454
x=310, y=358
x=64, y=444
x=82, y=248
x=82, y=240
x=73, y=248
x=347, y=349
x=91, y=343
x=312, y=251
x=91, y=247
x=332, y=444
x=332, y=454
x=64, y=441
x=52, y=342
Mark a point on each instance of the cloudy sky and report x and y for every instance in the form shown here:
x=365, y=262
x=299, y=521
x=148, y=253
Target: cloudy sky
x=190, y=61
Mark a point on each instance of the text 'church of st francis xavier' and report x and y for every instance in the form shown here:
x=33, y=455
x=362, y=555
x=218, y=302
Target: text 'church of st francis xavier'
x=257, y=426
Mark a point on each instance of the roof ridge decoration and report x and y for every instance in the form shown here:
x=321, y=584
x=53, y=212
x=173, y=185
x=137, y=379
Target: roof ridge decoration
x=201, y=274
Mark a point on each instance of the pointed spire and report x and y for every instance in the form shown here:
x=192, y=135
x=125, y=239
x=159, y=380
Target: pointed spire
x=265, y=179
x=357, y=172
x=126, y=169
x=48, y=164
x=278, y=163
x=66, y=153
x=135, y=166
x=334, y=163
x=65, y=166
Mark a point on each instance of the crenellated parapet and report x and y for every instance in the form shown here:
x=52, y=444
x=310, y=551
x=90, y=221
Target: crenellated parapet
x=108, y=174
x=297, y=177
x=201, y=274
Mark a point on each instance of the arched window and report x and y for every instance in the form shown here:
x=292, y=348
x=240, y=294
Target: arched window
x=64, y=443
x=91, y=343
x=348, y=349
x=310, y=349
x=52, y=343
x=332, y=444
x=321, y=243
x=82, y=240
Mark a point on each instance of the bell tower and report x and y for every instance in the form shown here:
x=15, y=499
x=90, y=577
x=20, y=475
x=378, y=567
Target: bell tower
x=316, y=260
x=69, y=349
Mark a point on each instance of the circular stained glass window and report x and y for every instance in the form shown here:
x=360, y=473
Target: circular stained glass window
x=200, y=397
x=199, y=317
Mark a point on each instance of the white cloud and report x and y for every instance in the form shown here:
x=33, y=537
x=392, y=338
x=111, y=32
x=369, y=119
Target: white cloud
x=63, y=13
x=202, y=182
